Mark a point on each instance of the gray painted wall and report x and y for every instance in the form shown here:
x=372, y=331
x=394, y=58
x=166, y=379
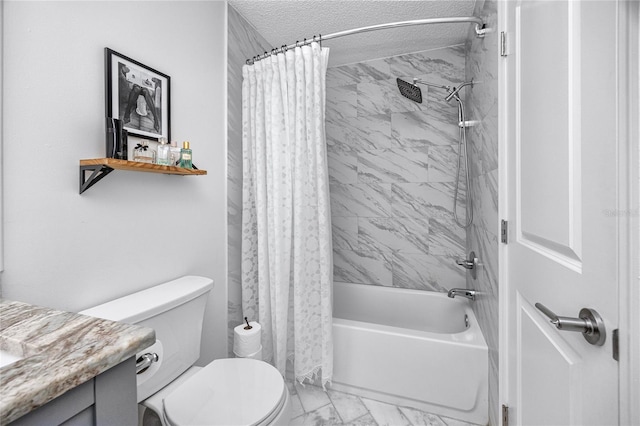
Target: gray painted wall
x=131, y=230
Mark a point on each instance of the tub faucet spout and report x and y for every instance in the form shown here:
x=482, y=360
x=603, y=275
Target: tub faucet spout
x=469, y=294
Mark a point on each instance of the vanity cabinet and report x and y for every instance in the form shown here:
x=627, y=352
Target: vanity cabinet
x=107, y=399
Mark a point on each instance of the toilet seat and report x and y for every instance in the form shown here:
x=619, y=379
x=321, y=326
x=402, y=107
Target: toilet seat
x=235, y=391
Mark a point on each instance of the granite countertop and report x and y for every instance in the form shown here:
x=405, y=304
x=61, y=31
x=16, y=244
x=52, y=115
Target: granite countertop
x=59, y=350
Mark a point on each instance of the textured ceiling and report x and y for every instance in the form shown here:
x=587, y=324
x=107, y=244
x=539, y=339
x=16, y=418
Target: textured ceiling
x=285, y=21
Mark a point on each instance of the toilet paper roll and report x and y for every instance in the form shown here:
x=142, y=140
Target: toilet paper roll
x=247, y=342
x=257, y=355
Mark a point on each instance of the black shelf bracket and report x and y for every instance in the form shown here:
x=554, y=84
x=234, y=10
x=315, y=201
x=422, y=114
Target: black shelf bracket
x=98, y=171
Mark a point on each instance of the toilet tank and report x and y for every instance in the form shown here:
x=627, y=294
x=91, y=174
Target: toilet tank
x=175, y=310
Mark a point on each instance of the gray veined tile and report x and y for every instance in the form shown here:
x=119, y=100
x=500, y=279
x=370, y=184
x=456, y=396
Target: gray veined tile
x=373, y=99
x=426, y=272
x=344, y=232
x=487, y=252
x=394, y=165
x=420, y=129
x=447, y=238
x=488, y=135
x=324, y=416
x=366, y=420
x=291, y=385
x=361, y=72
x=444, y=66
x=482, y=67
x=362, y=267
x=386, y=414
x=485, y=201
x=343, y=166
x=482, y=159
x=474, y=149
x=342, y=102
x=349, y=407
x=406, y=235
x=339, y=76
x=244, y=37
x=296, y=406
x=422, y=418
x=446, y=111
x=443, y=163
x=361, y=133
x=455, y=422
x=312, y=397
x=423, y=200
x=363, y=200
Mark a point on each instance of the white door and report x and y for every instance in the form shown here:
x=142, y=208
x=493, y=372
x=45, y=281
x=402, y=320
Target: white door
x=562, y=188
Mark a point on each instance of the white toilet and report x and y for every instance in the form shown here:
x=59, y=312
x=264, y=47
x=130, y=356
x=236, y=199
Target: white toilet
x=172, y=391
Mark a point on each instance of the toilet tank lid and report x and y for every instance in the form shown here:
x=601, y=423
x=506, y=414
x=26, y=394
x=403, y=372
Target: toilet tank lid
x=147, y=303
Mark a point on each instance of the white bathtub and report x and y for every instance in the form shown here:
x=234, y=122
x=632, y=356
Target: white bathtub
x=409, y=347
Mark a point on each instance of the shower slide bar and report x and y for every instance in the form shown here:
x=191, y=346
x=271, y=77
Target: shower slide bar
x=480, y=32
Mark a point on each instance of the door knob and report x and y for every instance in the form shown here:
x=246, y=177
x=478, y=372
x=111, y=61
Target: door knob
x=589, y=323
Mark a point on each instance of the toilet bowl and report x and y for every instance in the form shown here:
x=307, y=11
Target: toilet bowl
x=174, y=392
x=227, y=392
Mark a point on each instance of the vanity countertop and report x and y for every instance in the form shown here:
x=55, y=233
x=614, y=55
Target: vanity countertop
x=59, y=351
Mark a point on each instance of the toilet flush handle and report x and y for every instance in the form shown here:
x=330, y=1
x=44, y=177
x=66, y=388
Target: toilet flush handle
x=145, y=361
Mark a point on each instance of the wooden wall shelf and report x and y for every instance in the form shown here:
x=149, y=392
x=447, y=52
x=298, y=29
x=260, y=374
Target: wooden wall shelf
x=100, y=167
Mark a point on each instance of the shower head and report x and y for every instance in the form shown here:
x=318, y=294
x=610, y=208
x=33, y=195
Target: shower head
x=409, y=91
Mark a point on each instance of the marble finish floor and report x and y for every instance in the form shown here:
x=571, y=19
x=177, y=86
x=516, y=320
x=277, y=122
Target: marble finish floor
x=311, y=405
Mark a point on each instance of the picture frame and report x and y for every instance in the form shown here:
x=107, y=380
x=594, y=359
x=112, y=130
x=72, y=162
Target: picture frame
x=138, y=95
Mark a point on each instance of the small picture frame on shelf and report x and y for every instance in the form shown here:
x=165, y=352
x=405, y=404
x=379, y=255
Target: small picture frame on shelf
x=137, y=95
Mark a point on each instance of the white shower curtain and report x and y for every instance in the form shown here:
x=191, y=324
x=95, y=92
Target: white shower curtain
x=286, y=222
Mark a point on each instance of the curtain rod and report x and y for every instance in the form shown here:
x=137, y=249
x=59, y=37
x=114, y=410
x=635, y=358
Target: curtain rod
x=480, y=32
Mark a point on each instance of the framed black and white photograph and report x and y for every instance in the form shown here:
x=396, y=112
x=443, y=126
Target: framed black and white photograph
x=138, y=95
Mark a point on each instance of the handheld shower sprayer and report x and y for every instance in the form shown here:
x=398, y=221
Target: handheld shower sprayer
x=413, y=92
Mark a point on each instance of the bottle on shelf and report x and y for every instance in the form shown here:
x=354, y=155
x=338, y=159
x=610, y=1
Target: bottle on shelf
x=163, y=157
x=174, y=154
x=143, y=153
x=185, y=156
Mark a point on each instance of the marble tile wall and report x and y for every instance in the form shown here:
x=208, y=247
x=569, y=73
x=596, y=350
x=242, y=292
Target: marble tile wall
x=392, y=172
x=243, y=42
x=483, y=235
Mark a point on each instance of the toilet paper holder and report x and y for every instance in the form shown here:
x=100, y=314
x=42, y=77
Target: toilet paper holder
x=248, y=327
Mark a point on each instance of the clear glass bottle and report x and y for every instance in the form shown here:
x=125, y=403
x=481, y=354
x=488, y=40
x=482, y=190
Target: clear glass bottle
x=143, y=153
x=185, y=156
x=163, y=153
x=174, y=154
